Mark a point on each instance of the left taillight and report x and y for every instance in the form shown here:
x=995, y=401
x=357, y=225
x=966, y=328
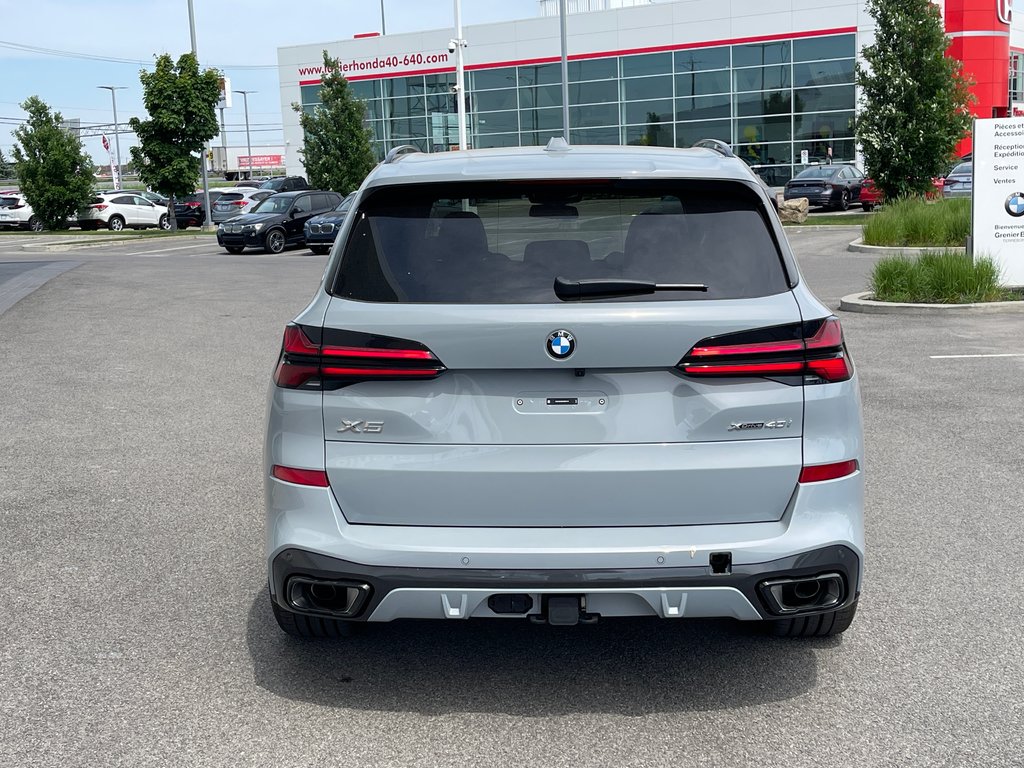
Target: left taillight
x=814, y=350
x=345, y=357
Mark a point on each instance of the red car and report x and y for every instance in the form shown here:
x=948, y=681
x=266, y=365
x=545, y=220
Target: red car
x=870, y=196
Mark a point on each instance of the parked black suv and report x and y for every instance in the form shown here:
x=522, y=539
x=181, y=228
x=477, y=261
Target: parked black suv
x=276, y=222
x=285, y=184
x=189, y=210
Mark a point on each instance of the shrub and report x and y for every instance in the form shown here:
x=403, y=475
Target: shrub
x=911, y=222
x=947, y=277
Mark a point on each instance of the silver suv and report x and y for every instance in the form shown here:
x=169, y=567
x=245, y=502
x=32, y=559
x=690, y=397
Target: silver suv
x=563, y=384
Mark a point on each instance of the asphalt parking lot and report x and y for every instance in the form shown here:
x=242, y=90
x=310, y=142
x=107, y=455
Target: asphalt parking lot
x=136, y=630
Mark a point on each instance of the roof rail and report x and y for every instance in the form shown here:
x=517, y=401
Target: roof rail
x=716, y=146
x=395, y=154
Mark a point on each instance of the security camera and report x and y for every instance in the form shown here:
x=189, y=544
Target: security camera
x=451, y=46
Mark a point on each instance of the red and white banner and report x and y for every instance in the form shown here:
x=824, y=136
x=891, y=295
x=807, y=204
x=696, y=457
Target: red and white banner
x=260, y=161
x=115, y=177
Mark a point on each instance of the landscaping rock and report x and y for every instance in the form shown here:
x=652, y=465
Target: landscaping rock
x=793, y=211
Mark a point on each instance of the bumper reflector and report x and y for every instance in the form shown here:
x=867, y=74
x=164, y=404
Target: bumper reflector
x=312, y=477
x=821, y=472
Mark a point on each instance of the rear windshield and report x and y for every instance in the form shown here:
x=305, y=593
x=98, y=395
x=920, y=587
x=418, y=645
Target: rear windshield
x=822, y=172
x=505, y=243
x=8, y=202
x=227, y=197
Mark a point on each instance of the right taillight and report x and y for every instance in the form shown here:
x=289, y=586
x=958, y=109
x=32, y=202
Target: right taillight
x=813, y=349
x=345, y=357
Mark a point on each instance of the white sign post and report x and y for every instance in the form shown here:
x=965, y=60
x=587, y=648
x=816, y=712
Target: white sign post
x=997, y=211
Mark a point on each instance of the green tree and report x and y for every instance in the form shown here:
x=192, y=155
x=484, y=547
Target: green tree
x=337, y=153
x=180, y=101
x=5, y=167
x=915, y=98
x=53, y=171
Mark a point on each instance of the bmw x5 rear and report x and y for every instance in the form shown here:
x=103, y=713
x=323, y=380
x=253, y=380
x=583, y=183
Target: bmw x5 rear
x=561, y=385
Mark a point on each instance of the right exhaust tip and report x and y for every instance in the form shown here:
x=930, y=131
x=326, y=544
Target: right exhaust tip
x=803, y=594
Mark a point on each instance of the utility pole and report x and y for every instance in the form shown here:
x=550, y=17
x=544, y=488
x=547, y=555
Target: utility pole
x=456, y=45
x=117, y=132
x=248, y=143
x=208, y=222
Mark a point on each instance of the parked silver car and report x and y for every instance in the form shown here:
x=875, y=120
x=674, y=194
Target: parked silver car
x=959, y=182
x=236, y=201
x=563, y=384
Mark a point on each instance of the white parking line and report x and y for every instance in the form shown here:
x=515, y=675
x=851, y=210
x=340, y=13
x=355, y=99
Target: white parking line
x=958, y=357
x=168, y=250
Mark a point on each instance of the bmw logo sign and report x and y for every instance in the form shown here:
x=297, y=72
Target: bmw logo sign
x=1015, y=204
x=561, y=344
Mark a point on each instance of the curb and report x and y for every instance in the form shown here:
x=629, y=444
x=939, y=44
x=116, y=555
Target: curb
x=858, y=302
x=819, y=227
x=71, y=245
x=858, y=246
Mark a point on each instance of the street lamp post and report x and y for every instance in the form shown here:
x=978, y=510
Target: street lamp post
x=117, y=133
x=208, y=222
x=455, y=46
x=248, y=142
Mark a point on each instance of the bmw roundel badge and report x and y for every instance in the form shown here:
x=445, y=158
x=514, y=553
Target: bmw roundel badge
x=1015, y=204
x=561, y=344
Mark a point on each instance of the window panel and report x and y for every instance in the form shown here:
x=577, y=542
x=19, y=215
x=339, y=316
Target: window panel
x=648, y=64
x=541, y=119
x=697, y=59
x=702, y=83
x=765, y=103
x=413, y=107
x=494, y=101
x=688, y=134
x=543, y=74
x=593, y=115
x=763, y=154
x=404, y=86
x=595, y=136
x=444, y=103
x=439, y=83
x=407, y=128
x=592, y=69
x=483, y=141
x=759, y=54
x=824, y=99
x=817, y=151
x=541, y=96
x=650, y=135
x=830, y=125
x=310, y=94
x=823, y=73
x=486, y=79
x=649, y=111
x=497, y=122
x=363, y=89
x=763, y=78
x=606, y=91
x=703, y=108
x=538, y=138
x=647, y=88
x=831, y=47
x=755, y=130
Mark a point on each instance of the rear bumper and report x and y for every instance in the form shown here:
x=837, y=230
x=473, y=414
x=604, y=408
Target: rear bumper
x=446, y=593
x=813, y=198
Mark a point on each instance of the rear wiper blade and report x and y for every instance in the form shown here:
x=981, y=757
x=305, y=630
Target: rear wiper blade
x=578, y=290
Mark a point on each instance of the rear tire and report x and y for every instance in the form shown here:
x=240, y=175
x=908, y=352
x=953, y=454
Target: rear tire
x=868, y=207
x=311, y=627
x=319, y=250
x=844, y=201
x=35, y=224
x=165, y=223
x=820, y=625
x=115, y=224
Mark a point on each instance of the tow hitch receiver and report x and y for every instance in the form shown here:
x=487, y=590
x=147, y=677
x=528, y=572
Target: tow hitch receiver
x=564, y=611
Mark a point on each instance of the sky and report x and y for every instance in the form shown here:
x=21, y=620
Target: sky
x=92, y=44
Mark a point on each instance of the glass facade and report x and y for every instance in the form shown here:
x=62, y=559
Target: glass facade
x=771, y=101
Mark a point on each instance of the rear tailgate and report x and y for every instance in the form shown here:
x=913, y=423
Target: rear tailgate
x=503, y=432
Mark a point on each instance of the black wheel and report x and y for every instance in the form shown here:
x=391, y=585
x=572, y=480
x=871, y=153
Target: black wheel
x=820, y=625
x=844, y=200
x=274, y=241
x=868, y=207
x=165, y=223
x=115, y=224
x=236, y=249
x=35, y=224
x=319, y=250
x=312, y=627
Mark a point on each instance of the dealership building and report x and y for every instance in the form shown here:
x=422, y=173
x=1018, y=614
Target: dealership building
x=774, y=78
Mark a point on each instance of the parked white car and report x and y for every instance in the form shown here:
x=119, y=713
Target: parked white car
x=118, y=210
x=15, y=212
